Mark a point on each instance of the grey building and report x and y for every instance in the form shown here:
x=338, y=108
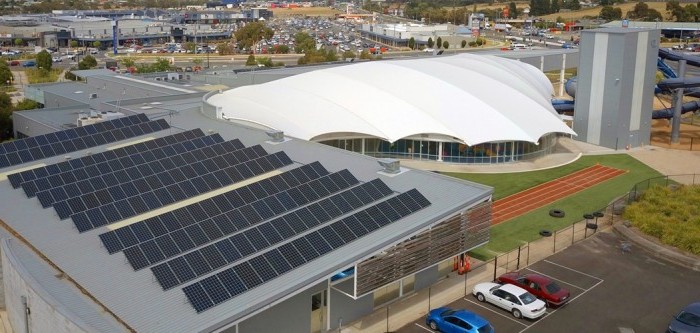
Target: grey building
x=616, y=87
x=169, y=220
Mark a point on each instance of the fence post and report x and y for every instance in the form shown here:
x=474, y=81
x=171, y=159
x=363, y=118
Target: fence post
x=465, y=283
x=528, y=254
x=517, y=266
x=387, y=318
x=495, y=266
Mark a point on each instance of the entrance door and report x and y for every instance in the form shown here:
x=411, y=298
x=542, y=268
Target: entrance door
x=318, y=312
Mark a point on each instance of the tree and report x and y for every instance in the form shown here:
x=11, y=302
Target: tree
x=412, y=43
x=197, y=61
x=348, y=55
x=252, y=33
x=430, y=42
x=251, y=61
x=282, y=49
x=161, y=65
x=18, y=42
x=304, y=43
x=512, y=10
x=446, y=45
x=189, y=47
x=5, y=116
x=5, y=73
x=73, y=43
x=128, y=62
x=438, y=44
x=555, y=6
x=224, y=48
x=642, y=12
x=96, y=44
x=609, y=13
x=26, y=104
x=464, y=43
x=43, y=60
x=87, y=62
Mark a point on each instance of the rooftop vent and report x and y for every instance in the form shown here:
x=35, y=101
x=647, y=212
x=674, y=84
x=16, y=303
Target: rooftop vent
x=93, y=95
x=276, y=136
x=390, y=165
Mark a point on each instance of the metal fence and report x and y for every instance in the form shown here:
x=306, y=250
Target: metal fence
x=394, y=315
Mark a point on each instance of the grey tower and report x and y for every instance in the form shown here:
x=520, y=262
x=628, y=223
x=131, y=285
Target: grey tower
x=615, y=90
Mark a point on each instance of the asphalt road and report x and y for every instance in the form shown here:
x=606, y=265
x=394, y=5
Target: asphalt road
x=611, y=291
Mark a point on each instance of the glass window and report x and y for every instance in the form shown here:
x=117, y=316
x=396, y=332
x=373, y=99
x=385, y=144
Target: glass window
x=527, y=298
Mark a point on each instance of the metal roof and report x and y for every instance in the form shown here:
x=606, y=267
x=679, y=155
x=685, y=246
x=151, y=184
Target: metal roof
x=137, y=299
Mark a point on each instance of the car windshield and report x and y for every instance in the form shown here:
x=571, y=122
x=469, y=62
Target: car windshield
x=448, y=312
x=527, y=298
x=552, y=288
x=688, y=318
x=486, y=328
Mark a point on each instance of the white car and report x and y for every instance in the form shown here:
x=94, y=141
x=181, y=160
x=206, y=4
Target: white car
x=57, y=59
x=514, y=299
x=428, y=49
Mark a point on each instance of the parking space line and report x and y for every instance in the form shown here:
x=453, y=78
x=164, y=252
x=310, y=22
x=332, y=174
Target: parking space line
x=573, y=270
x=496, y=312
x=425, y=328
x=571, y=300
x=553, y=278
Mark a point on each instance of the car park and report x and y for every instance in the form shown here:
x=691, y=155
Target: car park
x=447, y=320
x=686, y=321
x=512, y=298
x=541, y=286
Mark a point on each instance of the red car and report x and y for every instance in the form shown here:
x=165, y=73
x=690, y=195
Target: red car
x=541, y=286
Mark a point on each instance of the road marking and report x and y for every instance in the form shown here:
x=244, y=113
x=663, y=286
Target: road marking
x=425, y=328
x=553, y=278
x=573, y=270
x=496, y=312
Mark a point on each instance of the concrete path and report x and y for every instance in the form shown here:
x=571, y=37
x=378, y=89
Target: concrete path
x=20, y=80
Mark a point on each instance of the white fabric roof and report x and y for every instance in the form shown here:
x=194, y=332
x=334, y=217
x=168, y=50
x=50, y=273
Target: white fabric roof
x=472, y=98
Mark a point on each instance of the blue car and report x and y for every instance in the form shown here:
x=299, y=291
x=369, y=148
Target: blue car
x=447, y=320
x=686, y=321
x=29, y=63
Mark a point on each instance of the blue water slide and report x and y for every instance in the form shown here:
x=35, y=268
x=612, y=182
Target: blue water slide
x=668, y=72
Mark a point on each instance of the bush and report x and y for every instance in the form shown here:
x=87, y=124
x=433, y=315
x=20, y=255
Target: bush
x=669, y=214
x=251, y=61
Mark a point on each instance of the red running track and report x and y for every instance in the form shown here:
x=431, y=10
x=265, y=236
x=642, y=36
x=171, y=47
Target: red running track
x=546, y=193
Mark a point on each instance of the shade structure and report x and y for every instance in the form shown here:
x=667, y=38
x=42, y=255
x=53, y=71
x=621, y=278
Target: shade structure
x=467, y=98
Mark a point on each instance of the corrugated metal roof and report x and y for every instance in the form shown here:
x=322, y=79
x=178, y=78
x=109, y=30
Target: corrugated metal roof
x=139, y=300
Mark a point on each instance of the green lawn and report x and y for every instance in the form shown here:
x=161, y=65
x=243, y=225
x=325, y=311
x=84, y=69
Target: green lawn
x=509, y=235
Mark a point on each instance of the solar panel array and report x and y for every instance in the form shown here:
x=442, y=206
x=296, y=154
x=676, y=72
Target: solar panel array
x=243, y=219
x=261, y=236
x=263, y=267
x=74, y=139
x=123, y=161
x=223, y=209
x=219, y=247
x=58, y=189
x=130, y=199
x=17, y=179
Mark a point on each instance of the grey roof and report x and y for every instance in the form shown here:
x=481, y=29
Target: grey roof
x=655, y=25
x=93, y=72
x=138, y=299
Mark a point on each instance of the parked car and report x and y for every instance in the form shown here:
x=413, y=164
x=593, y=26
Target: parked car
x=15, y=63
x=447, y=320
x=29, y=63
x=428, y=49
x=512, y=298
x=686, y=321
x=541, y=286
x=57, y=59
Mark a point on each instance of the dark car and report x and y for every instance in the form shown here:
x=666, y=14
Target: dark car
x=29, y=63
x=447, y=320
x=686, y=321
x=541, y=286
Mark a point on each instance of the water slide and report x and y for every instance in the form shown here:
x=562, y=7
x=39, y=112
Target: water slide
x=669, y=84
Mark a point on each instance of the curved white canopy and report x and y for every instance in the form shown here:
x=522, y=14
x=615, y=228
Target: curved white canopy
x=472, y=98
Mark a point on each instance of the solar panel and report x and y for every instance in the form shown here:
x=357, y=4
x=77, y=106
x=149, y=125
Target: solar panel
x=88, y=161
x=135, y=189
x=17, y=152
x=107, y=173
x=270, y=234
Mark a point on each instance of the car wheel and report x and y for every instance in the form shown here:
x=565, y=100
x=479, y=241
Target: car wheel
x=480, y=297
x=517, y=314
x=433, y=325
